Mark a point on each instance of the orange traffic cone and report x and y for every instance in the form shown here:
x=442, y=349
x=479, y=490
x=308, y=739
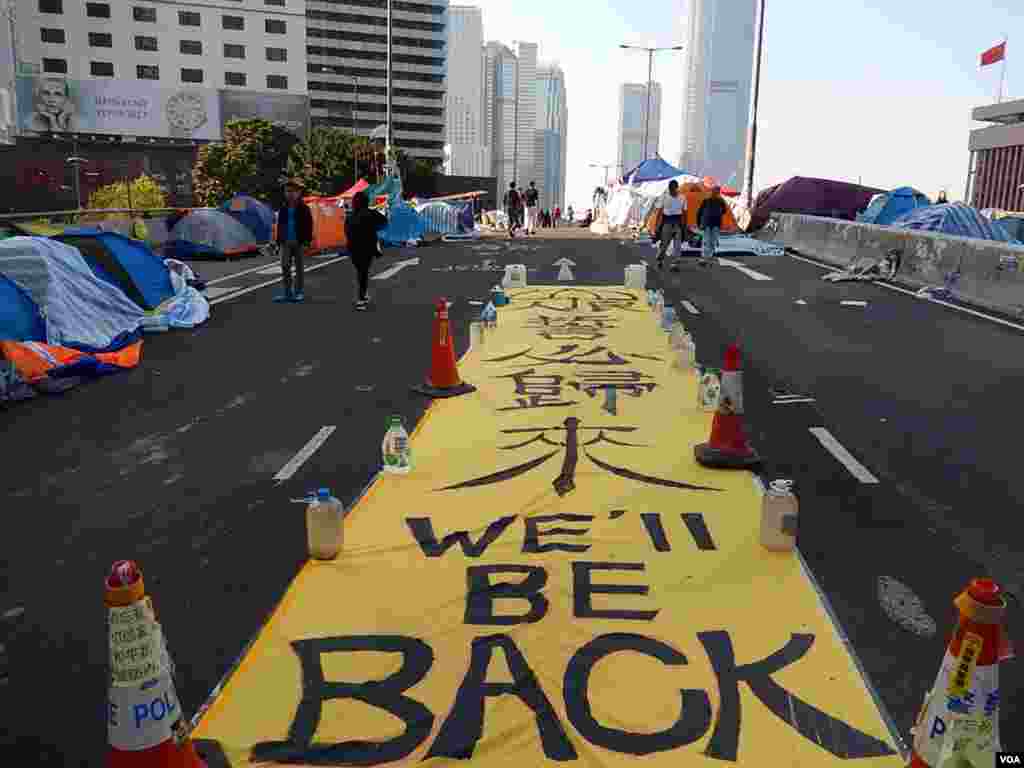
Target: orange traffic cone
x=146, y=727
x=444, y=380
x=728, y=447
x=959, y=722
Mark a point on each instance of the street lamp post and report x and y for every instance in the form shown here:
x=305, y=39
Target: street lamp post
x=748, y=182
x=387, y=141
x=650, y=77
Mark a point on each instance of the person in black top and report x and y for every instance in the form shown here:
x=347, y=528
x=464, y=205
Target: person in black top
x=294, y=236
x=532, y=210
x=514, y=209
x=361, y=228
x=709, y=219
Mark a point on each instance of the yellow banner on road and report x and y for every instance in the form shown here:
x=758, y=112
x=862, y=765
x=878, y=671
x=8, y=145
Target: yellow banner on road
x=556, y=581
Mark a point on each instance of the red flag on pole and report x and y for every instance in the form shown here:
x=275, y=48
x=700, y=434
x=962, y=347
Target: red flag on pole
x=994, y=54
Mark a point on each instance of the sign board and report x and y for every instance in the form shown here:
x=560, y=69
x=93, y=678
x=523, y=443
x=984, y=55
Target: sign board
x=289, y=111
x=554, y=583
x=51, y=103
x=135, y=644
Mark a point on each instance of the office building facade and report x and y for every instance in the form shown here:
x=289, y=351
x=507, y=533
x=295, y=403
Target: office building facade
x=550, y=138
x=996, y=173
x=633, y=124
x=469, y=154
x=719, y=59
x=346, y=48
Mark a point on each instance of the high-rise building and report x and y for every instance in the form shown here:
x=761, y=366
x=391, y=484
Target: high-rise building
x=470, y=154
x=718, y=77
x=552, y=125
x=633, y=123
x=510, y=112
x=347, y=52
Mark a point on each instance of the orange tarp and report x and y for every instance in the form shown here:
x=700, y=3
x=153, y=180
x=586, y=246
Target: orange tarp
x=695, y=195
x=328, y=223
x=34, y=360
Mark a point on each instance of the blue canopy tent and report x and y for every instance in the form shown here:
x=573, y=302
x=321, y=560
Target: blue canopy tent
x=889, y=206
x=124, y=263
x=953, y=219
x=654, y=169
x=256, y=216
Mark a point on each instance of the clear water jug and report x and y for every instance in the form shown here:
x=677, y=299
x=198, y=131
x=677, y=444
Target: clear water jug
x=324, y=530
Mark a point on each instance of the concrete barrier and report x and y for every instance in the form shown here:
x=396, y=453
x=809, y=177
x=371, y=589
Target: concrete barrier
x=984, y=273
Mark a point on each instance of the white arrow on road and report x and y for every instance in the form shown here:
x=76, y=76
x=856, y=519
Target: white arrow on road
x=744, y=269
x=564, y=260
x=399, y=266
x=564, y=273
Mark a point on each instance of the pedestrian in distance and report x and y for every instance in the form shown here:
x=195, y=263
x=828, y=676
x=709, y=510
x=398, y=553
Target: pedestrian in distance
x=513, y=208
x=570, y=215
x=709, y=219
x=294, y=236
x=361, y=229
x=532, y=209
x=673, y=211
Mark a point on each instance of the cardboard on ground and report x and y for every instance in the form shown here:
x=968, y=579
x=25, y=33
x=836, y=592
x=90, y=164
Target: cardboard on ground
x=384, y=584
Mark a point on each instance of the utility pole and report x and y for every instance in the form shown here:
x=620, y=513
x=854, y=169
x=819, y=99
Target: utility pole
x=387, y=143
x=355, y=131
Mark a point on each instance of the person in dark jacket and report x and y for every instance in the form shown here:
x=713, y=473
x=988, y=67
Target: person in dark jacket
x=361, y=228
x=294, y=236
x=709, y=219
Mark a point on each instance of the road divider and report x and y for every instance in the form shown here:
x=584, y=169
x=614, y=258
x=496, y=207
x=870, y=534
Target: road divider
x=842, y=455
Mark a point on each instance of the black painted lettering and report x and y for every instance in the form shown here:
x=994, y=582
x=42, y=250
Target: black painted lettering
x=387, y=694
x=533, y=533
x=481, y=594
x=423, y=531
x=652, y=522
x=583, y=589
x=694, y=718
x=698, y=530
x=835, y=736
x=464, y=726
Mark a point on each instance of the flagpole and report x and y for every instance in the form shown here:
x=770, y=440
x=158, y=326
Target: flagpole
x=1002, y=73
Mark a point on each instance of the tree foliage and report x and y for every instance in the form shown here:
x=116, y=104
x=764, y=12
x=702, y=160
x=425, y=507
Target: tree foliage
x=144, y=192
x=324, y=162
x=252, y=159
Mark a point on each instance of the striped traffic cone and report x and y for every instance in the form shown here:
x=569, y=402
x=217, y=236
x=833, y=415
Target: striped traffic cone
x=146, y=727
x=958, y=725
x=728, y=447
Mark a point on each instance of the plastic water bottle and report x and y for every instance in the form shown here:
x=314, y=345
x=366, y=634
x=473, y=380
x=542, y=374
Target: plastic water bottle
x=490, y=316
x=324, y=525
x=397, y=453
x=779, y=516
x=668, y=316
x=659, y=306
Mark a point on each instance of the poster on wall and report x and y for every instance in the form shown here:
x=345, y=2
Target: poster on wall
x=54, y=104
x=286, y=110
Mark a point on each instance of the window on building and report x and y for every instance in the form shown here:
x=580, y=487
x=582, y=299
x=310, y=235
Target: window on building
x=275, y=27
x=144, y=14
x=147, y=72
x=52, y=35
x=97, y=10
x=191, y=47
x=232, y=22
x=277, y=82
x=234, y=51
x=101, y=40
x=188, y=18
x=101, y=69
x=234, y=78
x=51, y=6
x=191, y=75
x=57, y=66
x=277, y=54
x=145, y=43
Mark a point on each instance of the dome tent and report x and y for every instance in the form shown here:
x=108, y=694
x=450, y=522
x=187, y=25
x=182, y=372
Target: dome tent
x=889, y=206
x=125, y=263
x=207, y=232
x=953, y=219
x=20, y=317
x=256, y=216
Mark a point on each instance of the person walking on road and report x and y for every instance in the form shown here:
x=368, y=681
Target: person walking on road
x=558, y=216
x=361, y=229
x=709, y=219
x=570, y=215
x=514, y=209
x=673, y=212
x=532, y=210
x=294, y=236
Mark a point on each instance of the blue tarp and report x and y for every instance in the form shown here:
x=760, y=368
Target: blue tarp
x=654, y=169
x=20, y=318
x=128, y=264
x=888, y=207
x=404, y=224
x=953, y=219
x=257, y=217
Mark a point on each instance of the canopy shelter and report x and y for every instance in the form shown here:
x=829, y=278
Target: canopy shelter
x=359, y=186
x=654, y=169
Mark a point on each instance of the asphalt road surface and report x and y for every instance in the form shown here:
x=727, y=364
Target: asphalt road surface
x=173, y=464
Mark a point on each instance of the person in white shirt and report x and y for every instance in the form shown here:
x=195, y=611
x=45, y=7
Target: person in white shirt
x=673, y=224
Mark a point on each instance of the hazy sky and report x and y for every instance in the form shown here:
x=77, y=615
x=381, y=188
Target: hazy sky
x=871, y=89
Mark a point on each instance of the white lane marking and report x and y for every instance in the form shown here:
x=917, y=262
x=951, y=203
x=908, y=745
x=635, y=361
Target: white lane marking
x=899, y=289
x=256, y=287
x=246, y=272
x=789, y=400
x=564, y=273
x=302, y=456
x=853, y=303
x=13, y=613
x=215, y=291
x=399, y=266
x=273, y=269
x=745, y=270
x=689, y=307
x=842, y=455
x=564, y=261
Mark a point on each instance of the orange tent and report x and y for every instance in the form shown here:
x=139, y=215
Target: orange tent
x=328, y=223
x=695, y=195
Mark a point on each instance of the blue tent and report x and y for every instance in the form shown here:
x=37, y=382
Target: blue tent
x=125, y=263
x=257, y=217
x=654, y=169
x=20, y=317
x=404, y=224
x=953, y=219
x=887, y=207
